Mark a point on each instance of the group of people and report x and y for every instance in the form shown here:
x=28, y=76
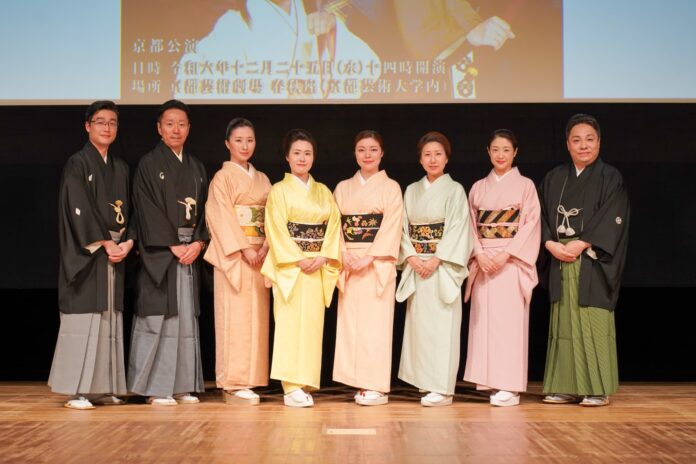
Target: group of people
x=301, y=241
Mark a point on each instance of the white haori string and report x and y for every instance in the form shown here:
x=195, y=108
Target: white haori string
x=188, y=204
x=563, y=229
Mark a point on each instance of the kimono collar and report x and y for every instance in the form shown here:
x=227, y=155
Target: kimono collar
x=249, y=172
x=298, y=181
x=427, y=184
x=89, y=146
x=493, y=179
x=499, y=178
x=379, y=174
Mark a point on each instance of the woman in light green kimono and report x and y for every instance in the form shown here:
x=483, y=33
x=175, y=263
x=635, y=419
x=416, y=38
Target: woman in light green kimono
x=435, y=247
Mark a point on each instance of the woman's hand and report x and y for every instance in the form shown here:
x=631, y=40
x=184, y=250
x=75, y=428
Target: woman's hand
x=430, y=266
x=361, y=263
x=251, y=256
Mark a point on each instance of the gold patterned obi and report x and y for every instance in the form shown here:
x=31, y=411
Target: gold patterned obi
x=250, y=218
x=498, y=223
x=425, y=237
x=309, y=237
x=360, y=228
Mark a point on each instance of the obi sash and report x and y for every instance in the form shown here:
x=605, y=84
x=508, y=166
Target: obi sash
x=425, y=237
x=309, y=237
x=251, y=220
x=498, y=223
x=360, y=228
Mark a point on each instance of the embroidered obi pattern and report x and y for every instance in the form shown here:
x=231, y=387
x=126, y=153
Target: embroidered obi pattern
x=309, y=237
x=251, y=220
x=425, y=237
x=360, y=228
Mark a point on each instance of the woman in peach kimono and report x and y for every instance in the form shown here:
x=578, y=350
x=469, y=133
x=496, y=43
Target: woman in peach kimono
x=235, y=216
x=303, y=225
x=505, y=215
x=371, y=214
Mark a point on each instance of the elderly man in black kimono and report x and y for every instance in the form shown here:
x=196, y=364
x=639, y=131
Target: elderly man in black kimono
x=95, y=237
x=585, y=216
x=169, y=190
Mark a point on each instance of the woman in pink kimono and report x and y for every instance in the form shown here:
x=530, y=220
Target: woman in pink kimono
x=371, y=214
x=505, y=215
x=235, y=217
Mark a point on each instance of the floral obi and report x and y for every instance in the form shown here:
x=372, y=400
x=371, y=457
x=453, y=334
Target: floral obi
x=425, y=237
x=360, y=228
x=251, y=219
x=309, y=237
x=498, y=223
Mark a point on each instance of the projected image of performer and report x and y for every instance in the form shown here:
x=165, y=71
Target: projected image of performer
x=414, y=35
x=585, y=219
x=95, y=236
x=505, y=215
x=170, y=188
x=238, y=247
x=275, y=49
x=303, y=225
x=371, y=221
x=436, y=244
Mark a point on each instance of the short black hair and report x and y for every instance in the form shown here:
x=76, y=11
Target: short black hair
x=505, y=134
x=293, y=136
x=235, y=123
x=99, y=105
x=582, y=119
x=173, y=104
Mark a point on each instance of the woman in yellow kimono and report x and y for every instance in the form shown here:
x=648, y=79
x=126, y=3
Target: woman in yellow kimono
x=235, y=215
x=303, y=229
x=435, y=247
x=371, y=214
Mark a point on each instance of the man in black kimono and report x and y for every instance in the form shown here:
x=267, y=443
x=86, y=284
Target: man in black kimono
x=169, y=189
x=585, y=216
x=95, y=238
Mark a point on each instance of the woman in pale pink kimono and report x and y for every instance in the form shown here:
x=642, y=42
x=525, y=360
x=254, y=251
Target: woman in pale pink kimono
x=371, y=214
x=505, y=215
x=235, y=216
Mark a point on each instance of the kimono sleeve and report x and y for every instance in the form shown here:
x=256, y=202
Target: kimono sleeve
x=154, y=228
x=456, y=244
x=525, y=245
x=280, y=266
x=387, y=240
x=223, y=225
x=406, y=249
x=608, y=226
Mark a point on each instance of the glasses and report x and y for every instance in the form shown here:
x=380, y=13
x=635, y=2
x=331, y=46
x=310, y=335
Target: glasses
x=103, y=124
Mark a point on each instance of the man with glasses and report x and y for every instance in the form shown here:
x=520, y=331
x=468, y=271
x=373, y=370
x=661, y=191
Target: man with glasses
x=95, y=238
x=170, y=188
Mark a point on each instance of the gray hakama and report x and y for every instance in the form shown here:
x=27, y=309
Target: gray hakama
x=89, y=352
x=165, y=355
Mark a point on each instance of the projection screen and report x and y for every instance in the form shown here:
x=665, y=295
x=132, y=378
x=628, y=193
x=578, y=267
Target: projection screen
x=347, y=51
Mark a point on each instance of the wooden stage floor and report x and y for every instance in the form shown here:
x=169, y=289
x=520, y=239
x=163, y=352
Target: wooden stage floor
x=645, y=423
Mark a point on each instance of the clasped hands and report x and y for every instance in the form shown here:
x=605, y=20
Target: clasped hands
x=424, y=268
x=352, y=263
x=186, y=253
x=117, y=252
x=568, y=252
x=492, y=265
x=311, y=265
x=253, y=257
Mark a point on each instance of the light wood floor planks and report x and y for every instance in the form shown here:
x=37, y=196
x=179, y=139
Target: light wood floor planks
x=644, y=423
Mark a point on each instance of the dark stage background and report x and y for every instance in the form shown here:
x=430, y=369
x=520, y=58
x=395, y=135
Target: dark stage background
x=652, y=145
